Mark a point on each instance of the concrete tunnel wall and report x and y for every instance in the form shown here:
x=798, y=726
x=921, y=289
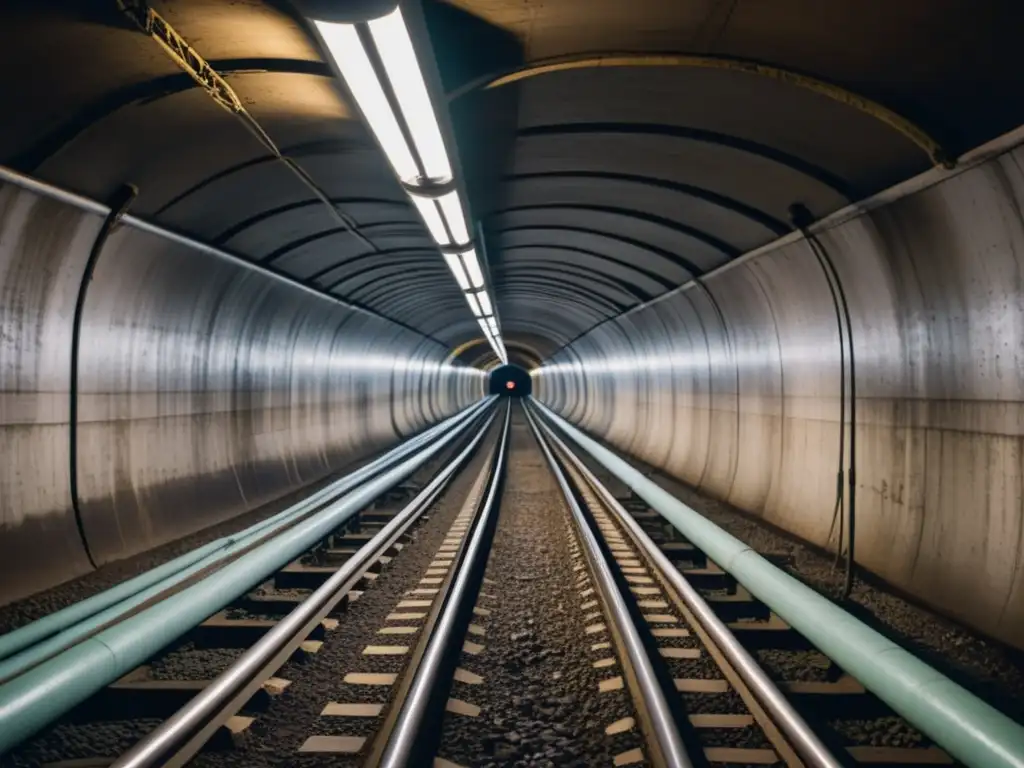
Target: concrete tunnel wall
x=735, y=389
x=205, y=390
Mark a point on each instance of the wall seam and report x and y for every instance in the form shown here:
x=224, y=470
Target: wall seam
x=119, y=204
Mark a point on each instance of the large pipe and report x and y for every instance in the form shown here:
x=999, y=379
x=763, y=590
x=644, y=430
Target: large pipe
x=964, y=725
x=802, y=736
x=42, y=639
x=41, y=695
x=162, y=745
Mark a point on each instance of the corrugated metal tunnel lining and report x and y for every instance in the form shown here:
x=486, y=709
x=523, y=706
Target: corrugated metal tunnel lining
x=733, y=386
x=204, y=390
x=613, y=152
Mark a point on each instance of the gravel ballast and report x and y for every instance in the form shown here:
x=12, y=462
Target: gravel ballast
x=539, y=700
x=277, y=734
x=991, y=670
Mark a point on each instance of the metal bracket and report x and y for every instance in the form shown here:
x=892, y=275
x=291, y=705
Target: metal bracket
x=184, y=55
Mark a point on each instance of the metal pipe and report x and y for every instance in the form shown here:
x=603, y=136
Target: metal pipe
x=666, y=732
x=401, y=749
x=805, y=740
x=964, y=725
x=158, y=747
x=83, y=618
x=52, y=191
x=44, y=693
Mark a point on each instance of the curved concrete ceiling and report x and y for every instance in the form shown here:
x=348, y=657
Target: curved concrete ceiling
x=611, y=150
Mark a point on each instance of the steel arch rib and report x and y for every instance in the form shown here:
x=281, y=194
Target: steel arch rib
x=652, y=276
x=730, y=251
x=393, y=255
x=714, y=198
x=555, y=287
x=904, y=126
x=749, y=146
x=661, y=253
x=540, y=267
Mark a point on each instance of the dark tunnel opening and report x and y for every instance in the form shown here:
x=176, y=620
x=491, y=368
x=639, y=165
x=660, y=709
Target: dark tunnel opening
x=510, y=381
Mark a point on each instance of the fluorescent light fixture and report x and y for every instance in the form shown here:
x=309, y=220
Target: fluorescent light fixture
x=347, y=49
x=428, y=210
x=454, y=262
x=451, y=207
x=445, y=216
x=391, y=37
x=485, y=302
x=476, y=277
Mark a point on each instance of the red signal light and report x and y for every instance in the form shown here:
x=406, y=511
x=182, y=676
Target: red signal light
x=510, y=385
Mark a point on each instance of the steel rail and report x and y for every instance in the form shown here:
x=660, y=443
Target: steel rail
x=179, y=738
x=804, y=740
x=665, y=731
x=966, y=727
x=41, y=695
x=34, y=643
x=406, y=735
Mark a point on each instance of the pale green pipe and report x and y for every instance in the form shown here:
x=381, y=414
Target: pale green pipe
x=964, y=725
x=41, y=695
x=42, y=638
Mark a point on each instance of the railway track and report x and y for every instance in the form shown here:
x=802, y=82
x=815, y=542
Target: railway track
x=205, y=689
x=389, y=718
x=548, y=619
x=689, y=640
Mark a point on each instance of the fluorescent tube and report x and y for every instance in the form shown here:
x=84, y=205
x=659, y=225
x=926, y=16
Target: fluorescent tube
x=347, y=49
x=485, y=302
x=455, y=265
x=428, y=210
x=451, y=207
x=476, y=277
x=391, y=37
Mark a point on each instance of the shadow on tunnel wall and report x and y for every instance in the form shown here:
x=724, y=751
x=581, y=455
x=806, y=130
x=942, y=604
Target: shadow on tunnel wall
x=205, y=390
x=735, y=390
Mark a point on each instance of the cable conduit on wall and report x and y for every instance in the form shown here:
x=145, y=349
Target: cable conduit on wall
x=119, y=204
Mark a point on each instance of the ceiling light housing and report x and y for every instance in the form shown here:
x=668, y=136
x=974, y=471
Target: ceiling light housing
x=397, y=107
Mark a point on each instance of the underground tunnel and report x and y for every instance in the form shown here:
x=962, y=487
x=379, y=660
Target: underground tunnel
x=511, y=382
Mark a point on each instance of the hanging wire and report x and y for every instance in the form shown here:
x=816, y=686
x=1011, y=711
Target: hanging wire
x=801, y=218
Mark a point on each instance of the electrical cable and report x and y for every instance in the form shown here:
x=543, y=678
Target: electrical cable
x=120, y=202
x=801, y=218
